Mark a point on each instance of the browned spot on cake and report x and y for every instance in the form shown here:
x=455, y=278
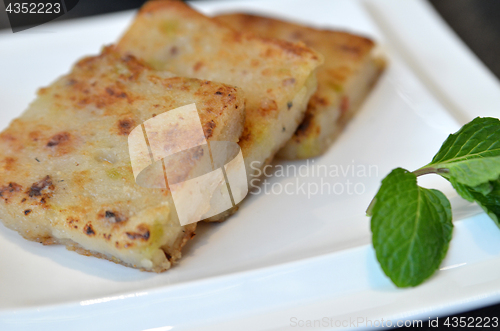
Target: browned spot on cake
x=60, y=144
x=197, y=66
x=72, y=222
x=268, y=106
x=88, y=230
x=59, y=139
x=318, y=101
x=37, y=188
x=82, y=178
x=117, y=94
x=304, y=125
x=9, y=163
x=35, y=135
x=7, y=137
x=299, y=48
x=209, y=129
x=125, y=126
x=112, y=216
x=246, y=135
x=142, y=233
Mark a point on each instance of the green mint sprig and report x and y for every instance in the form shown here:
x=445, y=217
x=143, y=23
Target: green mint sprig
x=412, y=226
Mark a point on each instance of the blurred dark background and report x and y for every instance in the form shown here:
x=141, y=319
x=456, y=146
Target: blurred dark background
x=477, y=22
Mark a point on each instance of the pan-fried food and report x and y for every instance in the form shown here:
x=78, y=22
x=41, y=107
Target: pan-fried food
x=351, y=68
x=65, y=170
x=277, y=77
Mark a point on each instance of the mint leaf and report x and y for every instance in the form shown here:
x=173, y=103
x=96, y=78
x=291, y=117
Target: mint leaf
x=489, y=202
x=471, y=156
x=473, y=172
x=470, y=160
x=477, y=139
x=484, y=188
x=411, y=228
x=462, y=190
x=411, y=225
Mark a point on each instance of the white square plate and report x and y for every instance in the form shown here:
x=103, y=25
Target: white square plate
x=283, y=258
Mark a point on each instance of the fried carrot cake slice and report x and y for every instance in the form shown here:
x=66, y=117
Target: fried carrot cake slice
x=351, y=68
x=65, y=170
x=277, y=77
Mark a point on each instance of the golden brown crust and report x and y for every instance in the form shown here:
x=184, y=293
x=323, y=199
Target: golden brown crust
x=272, y=72
x=181, y=9
x=172, y=254
x=346, y=55
x=173, y=259
x=65, y=170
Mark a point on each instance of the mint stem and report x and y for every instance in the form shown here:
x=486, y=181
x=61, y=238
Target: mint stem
x=370, y=207
x=425, y=171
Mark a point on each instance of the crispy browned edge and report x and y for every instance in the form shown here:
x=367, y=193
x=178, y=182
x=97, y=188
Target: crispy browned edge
x=298, y=48
x=189, y=230
x=189, y=233
x=239, y=20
